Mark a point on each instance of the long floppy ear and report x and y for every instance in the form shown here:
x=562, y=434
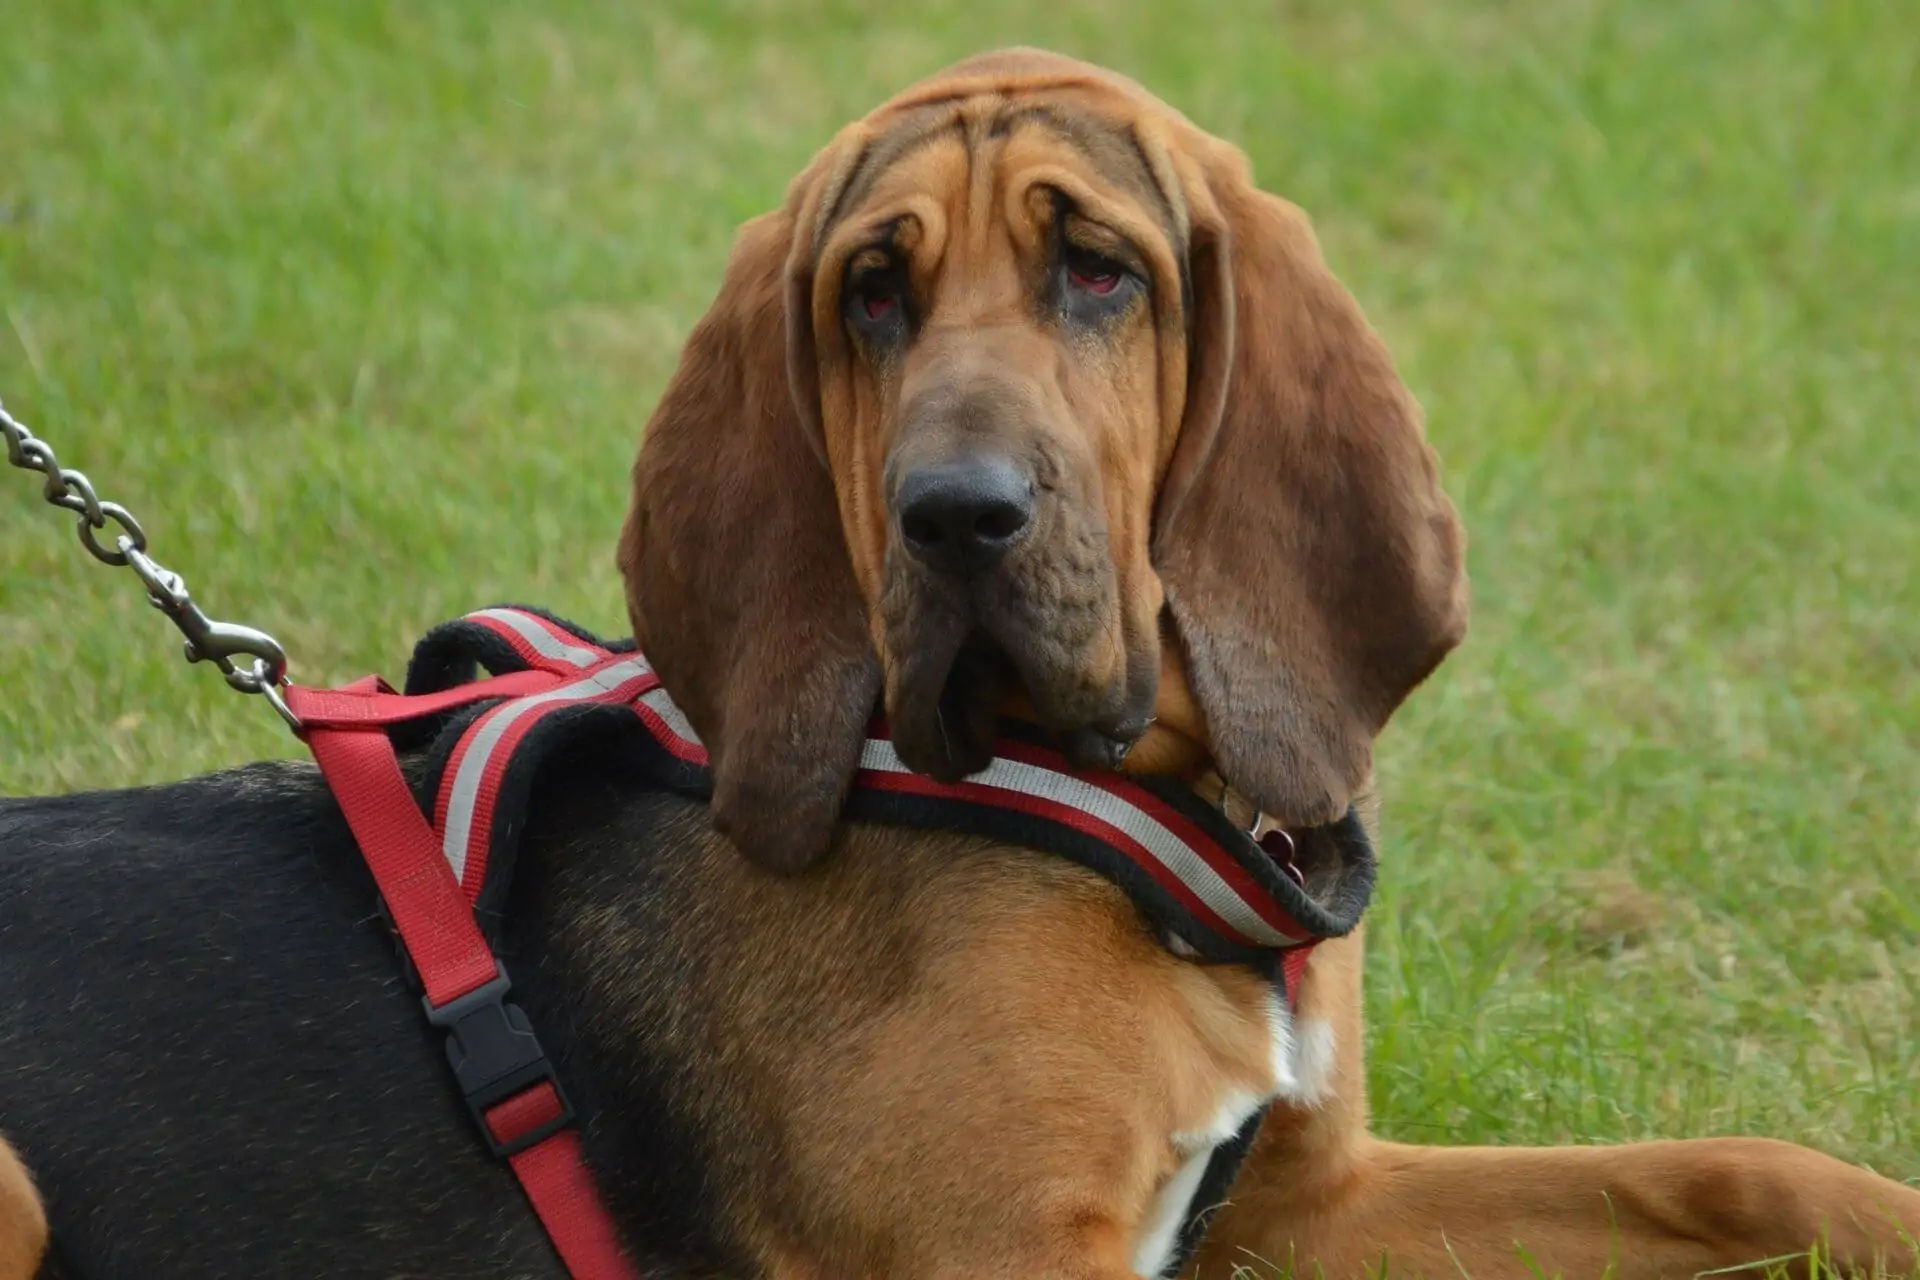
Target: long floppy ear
x=1313, y=566
x=739, y=586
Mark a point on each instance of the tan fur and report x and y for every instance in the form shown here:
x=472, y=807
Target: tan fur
x=984, y=1060
x=23, y=1223
x=972, y=1060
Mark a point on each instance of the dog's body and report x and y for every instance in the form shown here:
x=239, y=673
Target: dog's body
x=215, y=1070
x=1025, y=397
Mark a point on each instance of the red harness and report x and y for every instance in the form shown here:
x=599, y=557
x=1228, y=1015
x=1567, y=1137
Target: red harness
x=1177, y=859
x=509, y=1085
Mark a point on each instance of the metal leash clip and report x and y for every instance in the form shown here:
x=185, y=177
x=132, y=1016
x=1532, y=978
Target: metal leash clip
x=206, y=639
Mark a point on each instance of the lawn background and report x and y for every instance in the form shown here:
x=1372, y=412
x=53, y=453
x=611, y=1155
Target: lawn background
x=361, y=307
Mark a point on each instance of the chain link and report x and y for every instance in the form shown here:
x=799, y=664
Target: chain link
x=126, y=546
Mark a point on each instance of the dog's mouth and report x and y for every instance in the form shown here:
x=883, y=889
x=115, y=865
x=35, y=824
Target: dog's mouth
x=968, y=702
x=946, y=717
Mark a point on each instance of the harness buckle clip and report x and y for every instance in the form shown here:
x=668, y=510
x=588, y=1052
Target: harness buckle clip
x=496, y=1057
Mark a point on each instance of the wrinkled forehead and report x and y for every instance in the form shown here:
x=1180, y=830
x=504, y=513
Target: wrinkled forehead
x=977, y=156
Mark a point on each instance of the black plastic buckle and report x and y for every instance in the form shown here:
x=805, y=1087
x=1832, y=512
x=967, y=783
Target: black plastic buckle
x=495, y=1055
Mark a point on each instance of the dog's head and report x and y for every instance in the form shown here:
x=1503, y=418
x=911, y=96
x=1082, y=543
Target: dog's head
x=1027, y=392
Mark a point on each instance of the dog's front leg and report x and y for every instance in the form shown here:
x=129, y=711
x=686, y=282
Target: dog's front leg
x=1320, y=1196
x=1653, y=1209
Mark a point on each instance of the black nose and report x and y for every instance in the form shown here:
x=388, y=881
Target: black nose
x=960, y=517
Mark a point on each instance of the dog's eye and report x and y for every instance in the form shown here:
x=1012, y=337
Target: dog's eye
x=875, y=296
x=1089, y=271
x=877, y=300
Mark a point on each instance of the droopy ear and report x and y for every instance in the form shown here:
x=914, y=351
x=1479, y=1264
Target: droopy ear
x=1313, y=566
x=738, y=582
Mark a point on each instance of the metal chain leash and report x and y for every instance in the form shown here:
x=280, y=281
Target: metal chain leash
x=206, y=640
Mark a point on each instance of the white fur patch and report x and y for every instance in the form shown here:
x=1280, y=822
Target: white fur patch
x=1280, y=1032
x=1302, y=1061
x=1226, y=1122
x=1312, y=1064
x=1160, y=1233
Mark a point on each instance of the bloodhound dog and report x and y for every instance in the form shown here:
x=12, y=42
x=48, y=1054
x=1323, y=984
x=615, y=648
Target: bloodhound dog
x=1026, y=401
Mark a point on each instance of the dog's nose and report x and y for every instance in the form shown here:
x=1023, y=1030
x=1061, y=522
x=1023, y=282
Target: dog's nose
x=960, y=517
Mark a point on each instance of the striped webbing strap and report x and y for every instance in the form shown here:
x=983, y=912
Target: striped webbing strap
x=1191, y=870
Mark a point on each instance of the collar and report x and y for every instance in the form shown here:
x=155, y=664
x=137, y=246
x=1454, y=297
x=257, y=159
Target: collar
x=1216, y=887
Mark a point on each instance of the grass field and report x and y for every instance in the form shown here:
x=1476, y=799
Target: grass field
x=362, y=306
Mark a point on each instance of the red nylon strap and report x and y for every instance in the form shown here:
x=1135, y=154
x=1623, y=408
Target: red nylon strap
x=370, y=701
x=437, y=928
x=433, y=918
x=1293, y=967
x=555, y=1178
x=523, y=1113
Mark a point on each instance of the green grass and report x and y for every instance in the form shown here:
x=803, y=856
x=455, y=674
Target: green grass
x=362, y=306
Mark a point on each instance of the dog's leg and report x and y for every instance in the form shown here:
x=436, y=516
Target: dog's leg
x=23, y=1223
x=1318, y=1194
